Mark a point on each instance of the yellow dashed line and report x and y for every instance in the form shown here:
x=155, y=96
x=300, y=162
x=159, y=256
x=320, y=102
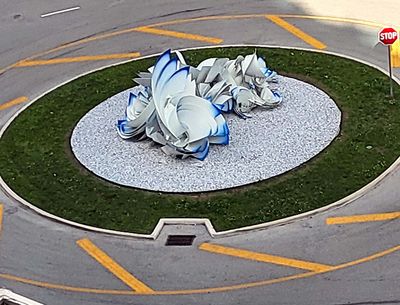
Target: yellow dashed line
x=19, y=100
x=30, y=63
x=396, y=54
x=112, y=266
x=181, y=35
x=296, y=32
x=362, y=218
x=265, y=258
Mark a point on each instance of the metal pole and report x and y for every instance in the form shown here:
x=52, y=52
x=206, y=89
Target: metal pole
x=390, y=70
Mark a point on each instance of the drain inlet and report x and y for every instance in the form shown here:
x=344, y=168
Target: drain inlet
x=180, y=240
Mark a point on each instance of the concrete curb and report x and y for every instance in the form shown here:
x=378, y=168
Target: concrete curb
x=202, y=221
x=13, y=298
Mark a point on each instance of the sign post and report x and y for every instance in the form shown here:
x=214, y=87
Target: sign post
x=390, y=70
x=388, y=36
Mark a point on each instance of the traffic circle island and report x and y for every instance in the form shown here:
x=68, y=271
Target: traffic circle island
x=48, y=175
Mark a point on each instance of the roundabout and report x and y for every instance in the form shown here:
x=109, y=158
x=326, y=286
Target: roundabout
x=346, y=166
x=318, y=258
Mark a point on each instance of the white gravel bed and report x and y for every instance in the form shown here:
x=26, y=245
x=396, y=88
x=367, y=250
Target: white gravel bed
x=268, y=144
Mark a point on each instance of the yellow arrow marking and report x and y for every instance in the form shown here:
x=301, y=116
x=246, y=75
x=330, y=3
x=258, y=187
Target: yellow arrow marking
x=30, y=63
x=112, y=266
x=150, y=30
x=362, y=218
x=19, y=100
x=265, y=258
x=396, y=54
x=296, y=32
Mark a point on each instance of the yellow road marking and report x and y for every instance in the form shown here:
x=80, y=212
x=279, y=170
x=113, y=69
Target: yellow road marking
x=265, y=258
x=64, y=287
x=362, y=218
x=150, y=30
x=198, y=19
x=247, y=16
x=19, y=100
x=367, y=258
x=112, y=266
x=206, y=290
x=202, y=290
x=337, y=19
x=296, y=32
x=396, y=54
x=1, y=218
x=30, y=63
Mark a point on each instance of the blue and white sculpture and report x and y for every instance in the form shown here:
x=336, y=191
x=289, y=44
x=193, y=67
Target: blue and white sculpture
x=180, y=107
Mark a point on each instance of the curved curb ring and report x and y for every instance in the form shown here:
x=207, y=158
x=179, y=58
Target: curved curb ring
x=203, y=221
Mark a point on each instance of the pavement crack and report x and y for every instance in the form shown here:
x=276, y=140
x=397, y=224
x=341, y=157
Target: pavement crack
x=181, y=12
x=66, y=53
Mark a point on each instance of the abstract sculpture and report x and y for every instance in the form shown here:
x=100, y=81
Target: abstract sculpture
x=180, y=107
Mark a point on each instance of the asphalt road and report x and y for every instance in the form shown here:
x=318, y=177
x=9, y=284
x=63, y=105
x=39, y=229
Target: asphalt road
x=302, y=262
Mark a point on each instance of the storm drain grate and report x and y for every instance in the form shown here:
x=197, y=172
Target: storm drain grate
x=9, y=303
x=180, y=240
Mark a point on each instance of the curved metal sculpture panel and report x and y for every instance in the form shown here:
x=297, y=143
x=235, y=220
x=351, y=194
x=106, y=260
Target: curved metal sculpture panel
x=180, y=107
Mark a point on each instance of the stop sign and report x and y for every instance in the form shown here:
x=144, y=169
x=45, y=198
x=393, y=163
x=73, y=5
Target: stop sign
x=388, y=36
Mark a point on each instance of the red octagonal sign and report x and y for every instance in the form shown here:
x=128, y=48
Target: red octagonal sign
x=388, y=36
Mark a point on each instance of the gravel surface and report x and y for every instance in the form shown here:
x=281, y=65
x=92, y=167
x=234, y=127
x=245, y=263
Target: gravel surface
x=268, y=144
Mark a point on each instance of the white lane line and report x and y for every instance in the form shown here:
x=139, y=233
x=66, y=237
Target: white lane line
x=61, y=11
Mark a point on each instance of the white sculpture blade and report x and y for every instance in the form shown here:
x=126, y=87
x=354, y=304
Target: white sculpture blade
x=180, y=107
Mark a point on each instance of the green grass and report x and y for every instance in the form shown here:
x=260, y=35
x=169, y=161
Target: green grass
x=35, y=160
